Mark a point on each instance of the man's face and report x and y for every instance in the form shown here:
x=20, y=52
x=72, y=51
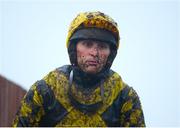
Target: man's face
x=92, y=55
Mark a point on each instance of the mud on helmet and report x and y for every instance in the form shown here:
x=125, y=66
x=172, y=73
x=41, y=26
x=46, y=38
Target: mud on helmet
x=93, y=26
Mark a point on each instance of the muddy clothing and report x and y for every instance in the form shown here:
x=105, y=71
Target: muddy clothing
x=54, y=101
x=68, y=96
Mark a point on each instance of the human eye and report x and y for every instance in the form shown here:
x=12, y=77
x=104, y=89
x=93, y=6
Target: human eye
x=103, y=46
x=87, y=43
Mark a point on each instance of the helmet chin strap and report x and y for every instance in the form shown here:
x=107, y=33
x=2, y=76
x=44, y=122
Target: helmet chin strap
x=71, y=78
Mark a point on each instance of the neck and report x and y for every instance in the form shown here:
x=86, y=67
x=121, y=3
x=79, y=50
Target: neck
x=86, y=80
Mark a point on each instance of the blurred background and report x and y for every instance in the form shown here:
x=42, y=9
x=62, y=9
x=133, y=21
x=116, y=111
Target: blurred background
x=32, y=43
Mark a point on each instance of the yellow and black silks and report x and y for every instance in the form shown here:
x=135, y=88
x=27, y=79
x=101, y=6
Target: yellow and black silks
x=47, y=103
x=101, y=99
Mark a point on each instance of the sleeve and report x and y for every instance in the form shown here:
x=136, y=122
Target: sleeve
x=131, y=110
x=31, y=109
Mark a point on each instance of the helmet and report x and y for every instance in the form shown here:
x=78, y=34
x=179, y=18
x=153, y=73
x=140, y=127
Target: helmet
x=94, y=26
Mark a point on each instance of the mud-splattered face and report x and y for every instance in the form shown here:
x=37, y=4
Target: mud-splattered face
x=92, y=55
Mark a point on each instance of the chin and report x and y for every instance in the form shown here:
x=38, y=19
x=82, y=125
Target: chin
x=92, y=71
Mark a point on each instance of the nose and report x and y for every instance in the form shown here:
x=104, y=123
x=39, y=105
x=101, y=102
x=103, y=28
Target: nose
x=94, y=51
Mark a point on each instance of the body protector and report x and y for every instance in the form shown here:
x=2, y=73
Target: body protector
x=47, y=104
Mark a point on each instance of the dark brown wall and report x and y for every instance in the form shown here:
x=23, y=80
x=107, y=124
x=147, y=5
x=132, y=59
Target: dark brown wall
x=10, y=97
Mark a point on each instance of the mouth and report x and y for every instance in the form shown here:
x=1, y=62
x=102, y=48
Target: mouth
x=92, y=63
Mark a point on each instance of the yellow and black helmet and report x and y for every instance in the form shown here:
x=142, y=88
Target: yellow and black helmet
x=94, y=26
